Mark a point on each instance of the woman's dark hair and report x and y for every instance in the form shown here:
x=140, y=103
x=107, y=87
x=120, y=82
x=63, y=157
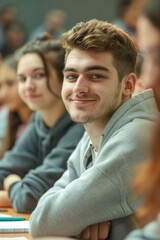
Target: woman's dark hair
x=122, y=6
x=14, y=121
x=50, y=52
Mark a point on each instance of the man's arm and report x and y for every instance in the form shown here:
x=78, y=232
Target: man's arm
x=100, y=193
x=83, y=202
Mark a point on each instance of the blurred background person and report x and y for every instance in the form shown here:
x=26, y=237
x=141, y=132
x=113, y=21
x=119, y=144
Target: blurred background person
x=3, y=121
x=15, y=36
x=53, y=23
x=8, y=15
x=16, y=113
x=129, y=11
x=148, y=38
x=1, y=58
x=148, y=175
x=3, y=115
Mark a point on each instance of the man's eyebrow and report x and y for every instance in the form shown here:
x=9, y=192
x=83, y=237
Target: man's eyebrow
x=69, y=70
x=97, y=67
x=91, y=68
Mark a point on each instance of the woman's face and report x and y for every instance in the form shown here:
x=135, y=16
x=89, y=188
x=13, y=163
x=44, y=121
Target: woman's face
x=148, y=37
x=147, y=34
x=32, y=85
x=9, y=88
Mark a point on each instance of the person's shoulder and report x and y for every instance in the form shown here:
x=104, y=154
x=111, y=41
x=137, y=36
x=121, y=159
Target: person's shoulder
x=77, y=127
x=75, y=132
x=30, y=128
x=149, y=232
x=37, y=32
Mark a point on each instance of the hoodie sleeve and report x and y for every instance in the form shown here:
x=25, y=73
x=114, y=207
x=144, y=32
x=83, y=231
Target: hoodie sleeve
x=25, y=194
x=100, y=193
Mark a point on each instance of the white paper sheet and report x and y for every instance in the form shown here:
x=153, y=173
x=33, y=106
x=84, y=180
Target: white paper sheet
x=14, y=226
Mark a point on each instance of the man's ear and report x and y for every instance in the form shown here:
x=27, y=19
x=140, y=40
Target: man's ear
x=129, y=82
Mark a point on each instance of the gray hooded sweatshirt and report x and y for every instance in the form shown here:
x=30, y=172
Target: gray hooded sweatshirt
x=39, y=157
x=84, y=196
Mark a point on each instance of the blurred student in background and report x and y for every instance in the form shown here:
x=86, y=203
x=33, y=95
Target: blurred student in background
x=13, y=32
x=148, y=179
x=53, y=23
x=3, y=114
x=8, y=15
x=148, y=38
x=15, y=37
x=40, y=156
x=16, y=113
x=129, y=11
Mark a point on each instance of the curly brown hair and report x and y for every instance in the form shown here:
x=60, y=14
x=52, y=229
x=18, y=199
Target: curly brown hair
x=100, y=36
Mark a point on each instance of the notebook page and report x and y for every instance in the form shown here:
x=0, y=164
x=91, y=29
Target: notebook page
x=14, y=238
x=4, y=215
x=14, y=226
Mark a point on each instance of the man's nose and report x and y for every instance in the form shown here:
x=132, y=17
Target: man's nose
x=81, y=85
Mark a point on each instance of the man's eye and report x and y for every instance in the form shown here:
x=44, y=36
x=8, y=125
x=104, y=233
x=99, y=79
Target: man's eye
x=95, y=76
x=71, y=77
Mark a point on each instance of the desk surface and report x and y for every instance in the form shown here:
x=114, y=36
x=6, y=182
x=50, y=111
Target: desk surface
x=10, y=211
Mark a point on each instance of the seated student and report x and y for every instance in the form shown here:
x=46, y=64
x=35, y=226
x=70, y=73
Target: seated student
x=40, y=156
x=99, y=80
x=16, y=112
x=53, y=23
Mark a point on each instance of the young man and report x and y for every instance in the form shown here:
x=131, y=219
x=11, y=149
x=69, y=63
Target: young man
x=99, y=80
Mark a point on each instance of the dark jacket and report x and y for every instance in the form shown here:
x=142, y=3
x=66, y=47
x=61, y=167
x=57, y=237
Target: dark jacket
x=39, y=158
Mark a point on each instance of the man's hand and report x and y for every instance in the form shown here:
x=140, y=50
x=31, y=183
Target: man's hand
x=8, y=181
x=99, y=231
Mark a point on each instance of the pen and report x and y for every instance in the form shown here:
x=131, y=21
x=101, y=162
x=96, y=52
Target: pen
x=3, y=210
x=16, y=218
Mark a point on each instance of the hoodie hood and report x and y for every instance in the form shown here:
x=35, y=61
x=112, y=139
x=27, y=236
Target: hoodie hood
x=141, y=106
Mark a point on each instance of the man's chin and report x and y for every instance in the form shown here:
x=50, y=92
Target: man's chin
x=77, y=119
